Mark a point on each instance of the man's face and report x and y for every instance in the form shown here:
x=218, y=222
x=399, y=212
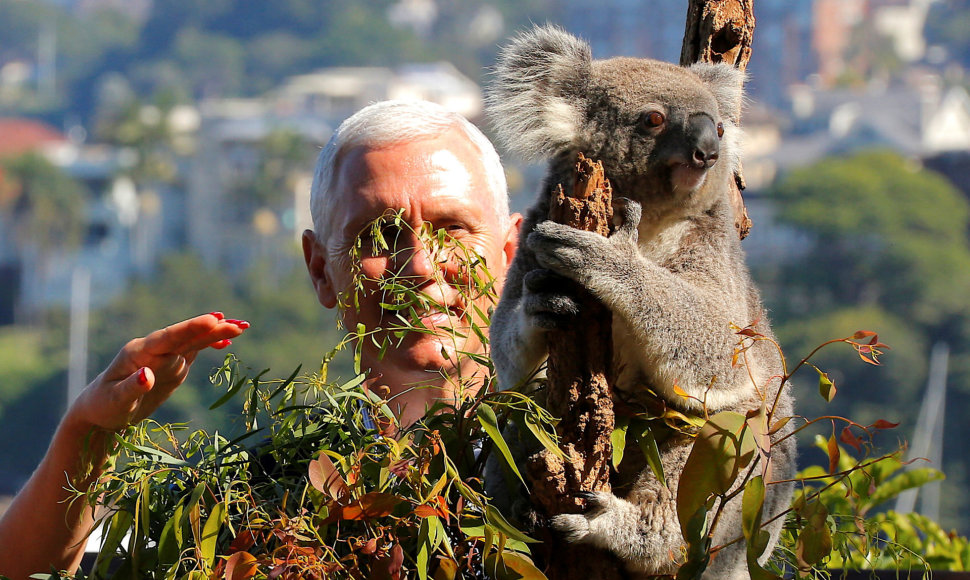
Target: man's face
x=437, y=184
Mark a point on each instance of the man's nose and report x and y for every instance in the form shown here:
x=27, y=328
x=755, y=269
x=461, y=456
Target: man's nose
x=414, y=261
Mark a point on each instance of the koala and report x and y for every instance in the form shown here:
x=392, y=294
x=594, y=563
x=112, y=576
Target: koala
x=672, y=273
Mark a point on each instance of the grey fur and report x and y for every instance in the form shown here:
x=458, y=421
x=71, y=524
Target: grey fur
x=672, y=273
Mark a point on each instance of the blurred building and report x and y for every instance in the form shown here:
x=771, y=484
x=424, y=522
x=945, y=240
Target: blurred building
x=925, y=121
x=230, y=231
x=918, y=120
x=638, y=28
x=334, y=94
x=35, y=277
x=846, y=29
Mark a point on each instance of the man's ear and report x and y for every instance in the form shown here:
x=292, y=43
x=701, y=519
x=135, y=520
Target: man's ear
x=315, y=256
x=511, y=240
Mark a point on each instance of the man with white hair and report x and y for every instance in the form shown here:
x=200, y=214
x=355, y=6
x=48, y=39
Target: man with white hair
x=441, y=173
x=432, y=168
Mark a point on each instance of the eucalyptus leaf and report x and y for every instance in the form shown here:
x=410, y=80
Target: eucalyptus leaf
x=486, y=416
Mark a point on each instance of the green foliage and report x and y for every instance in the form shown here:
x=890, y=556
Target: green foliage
x=888, y=233
x=242, y=48
x=321, y=479
x=310, y=487
x=887, y=247
x=844, y=530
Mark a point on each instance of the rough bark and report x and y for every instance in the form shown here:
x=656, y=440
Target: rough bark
x=578, y=386
x=721, y=31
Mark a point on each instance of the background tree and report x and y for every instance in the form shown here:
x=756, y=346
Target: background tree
x=887, y=250
x=42, y=204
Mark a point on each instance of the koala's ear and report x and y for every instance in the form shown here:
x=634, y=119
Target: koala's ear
x=535, y=99
x=727, y=83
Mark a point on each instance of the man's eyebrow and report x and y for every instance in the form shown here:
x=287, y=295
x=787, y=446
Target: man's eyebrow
x=456, y=209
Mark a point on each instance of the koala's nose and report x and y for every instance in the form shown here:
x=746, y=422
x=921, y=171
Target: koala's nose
x=704, y=141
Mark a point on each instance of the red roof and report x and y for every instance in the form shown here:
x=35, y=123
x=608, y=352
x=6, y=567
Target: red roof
x=18, y=136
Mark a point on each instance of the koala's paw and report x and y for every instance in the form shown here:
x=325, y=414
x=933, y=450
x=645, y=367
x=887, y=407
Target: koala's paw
x=564, y=249
x=589, y=526
x=549, y=299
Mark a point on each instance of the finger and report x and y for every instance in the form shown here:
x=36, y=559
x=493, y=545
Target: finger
x=169, y=367
x=220, y=337
x=170, y=373
x=194, y=334
x=177, y=336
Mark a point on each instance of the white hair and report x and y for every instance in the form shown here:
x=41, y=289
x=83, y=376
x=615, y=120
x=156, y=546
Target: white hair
x=388, y=123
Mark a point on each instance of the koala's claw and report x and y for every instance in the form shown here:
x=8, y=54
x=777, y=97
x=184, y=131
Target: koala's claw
x=626, y=217
x=596, y=501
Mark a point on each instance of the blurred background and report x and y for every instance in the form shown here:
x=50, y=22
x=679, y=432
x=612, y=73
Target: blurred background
x=155, y=158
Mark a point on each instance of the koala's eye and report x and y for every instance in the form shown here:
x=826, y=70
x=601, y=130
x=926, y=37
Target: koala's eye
x=720, y=130
x=653, y=119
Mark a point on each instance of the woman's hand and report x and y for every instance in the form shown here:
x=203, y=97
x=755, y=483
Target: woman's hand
x=147, y=370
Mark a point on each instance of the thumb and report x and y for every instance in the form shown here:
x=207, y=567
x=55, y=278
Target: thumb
x=135, y=386
x=627, y=213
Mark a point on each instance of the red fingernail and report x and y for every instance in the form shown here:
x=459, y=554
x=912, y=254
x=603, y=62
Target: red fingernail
x=240, y=323
x=142, y=376
x=221, y=344
x=218, y=315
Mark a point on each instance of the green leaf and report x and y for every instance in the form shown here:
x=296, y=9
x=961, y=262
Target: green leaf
x=496, y=519
x=235, y=388
x=156, y=453
x=178, y=526
x=424, y=547
x=532, y=423
x=168, y=547
x=119, y=525
x=901, y=482
x=826, y=387
x=724, y=445
x=210, y=532
x=489, y=422
x=287, y=382
x=648, y=445
x=752, y=503
x=511, y=566
x=618, y=439
x=815, y=539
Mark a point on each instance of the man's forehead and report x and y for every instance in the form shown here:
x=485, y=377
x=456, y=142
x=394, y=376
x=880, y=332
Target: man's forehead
x=450, y=159
x=430, y=178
